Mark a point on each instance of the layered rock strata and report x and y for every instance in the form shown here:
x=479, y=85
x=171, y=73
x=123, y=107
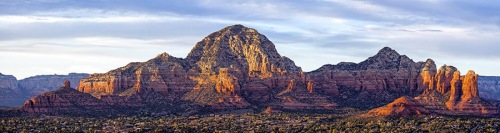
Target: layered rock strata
x=375, y=81
x=63, y=100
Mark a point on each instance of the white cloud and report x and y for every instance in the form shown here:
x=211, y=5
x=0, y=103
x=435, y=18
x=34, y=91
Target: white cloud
x=89, y=15
x=312, y=33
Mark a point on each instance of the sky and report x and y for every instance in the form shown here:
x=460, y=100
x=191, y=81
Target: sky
x=95, y=36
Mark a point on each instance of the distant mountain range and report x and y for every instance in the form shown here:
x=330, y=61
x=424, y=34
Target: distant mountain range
x=14, y=93
x=239, y=68
x=489, y=87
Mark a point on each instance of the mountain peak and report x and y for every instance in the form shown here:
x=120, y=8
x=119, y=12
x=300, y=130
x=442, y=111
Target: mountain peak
x=237, y=29
x=388, y=51
x=239, y=47
x=387, y=58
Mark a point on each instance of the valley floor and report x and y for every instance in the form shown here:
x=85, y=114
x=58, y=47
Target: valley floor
x=284, y=122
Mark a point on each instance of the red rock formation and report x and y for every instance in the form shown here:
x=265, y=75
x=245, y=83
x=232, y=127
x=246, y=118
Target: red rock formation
x=164, y=74
x=443, y=78
x=455, y=92
x=63, y=100
x=469, y=86
x=373, y=82
x=236, y=66
x=427, y=76
x=270, y=110
x=470, y=102
x=226, y=83
x=404, y=106
x=310, y=86
x=463, y=94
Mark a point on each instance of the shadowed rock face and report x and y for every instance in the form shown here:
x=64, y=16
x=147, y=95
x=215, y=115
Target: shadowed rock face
x=489, y=87
x=10, y=94
x=63, y=100
x=375, y=81
x=15, y=92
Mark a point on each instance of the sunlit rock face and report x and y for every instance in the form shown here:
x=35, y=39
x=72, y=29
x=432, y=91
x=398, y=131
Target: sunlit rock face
x=453, y=95
x=403, y=106
x=228, y=68
x=164, y=74
x=456, y=94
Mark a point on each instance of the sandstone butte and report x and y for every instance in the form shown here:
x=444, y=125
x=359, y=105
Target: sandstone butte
x=239, y=68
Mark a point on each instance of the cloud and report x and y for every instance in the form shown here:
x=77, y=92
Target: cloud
x=311, y=32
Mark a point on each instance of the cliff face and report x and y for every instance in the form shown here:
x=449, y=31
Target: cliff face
x=375, y=81
x=453, y=95
x=164, y=73
x=10, y=94
x=489, y=87
x=456, y=94
x=238, y=59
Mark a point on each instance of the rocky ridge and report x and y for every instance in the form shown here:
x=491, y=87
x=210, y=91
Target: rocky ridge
x=373, y=82
x=239, y=68
x=231, y=68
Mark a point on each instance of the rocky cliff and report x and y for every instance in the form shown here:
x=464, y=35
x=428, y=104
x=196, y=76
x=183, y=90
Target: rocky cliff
x=455, y=94
x=10, y=94
x=452, y=94
x=489, y=87
x=375, y=81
